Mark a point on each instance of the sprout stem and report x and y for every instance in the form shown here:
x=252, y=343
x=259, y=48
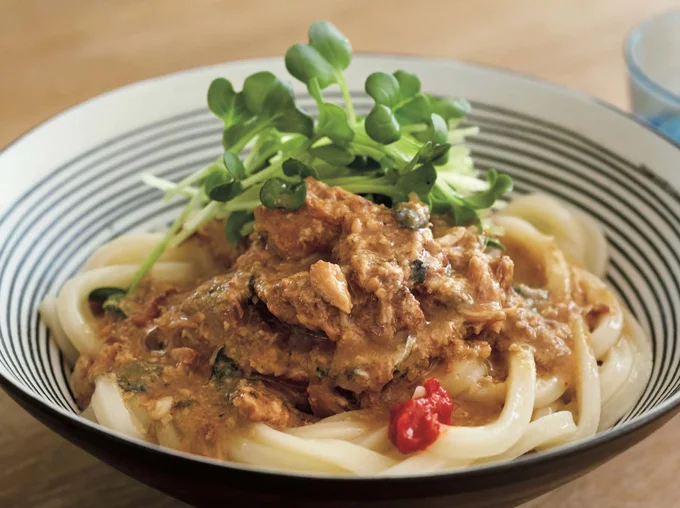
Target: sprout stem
x=158, y=251
x=347, y=98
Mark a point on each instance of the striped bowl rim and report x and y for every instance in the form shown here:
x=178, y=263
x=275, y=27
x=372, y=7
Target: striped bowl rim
x=540, y=153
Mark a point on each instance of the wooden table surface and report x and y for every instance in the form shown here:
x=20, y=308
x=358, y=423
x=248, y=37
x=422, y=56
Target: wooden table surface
x=56, y=53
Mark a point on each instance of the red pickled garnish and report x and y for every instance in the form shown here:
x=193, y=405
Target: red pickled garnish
x=443, y=405
x=415, y=424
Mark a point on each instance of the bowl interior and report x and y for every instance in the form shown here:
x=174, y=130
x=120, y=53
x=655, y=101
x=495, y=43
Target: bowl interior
x=73, y=183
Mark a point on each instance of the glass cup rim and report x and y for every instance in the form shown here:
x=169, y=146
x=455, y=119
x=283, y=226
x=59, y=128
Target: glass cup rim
x=634, y=68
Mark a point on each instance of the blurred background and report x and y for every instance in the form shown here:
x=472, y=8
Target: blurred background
x=56, y=53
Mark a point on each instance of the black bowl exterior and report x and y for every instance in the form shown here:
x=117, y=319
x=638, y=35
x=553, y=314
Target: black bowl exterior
x=205, y=484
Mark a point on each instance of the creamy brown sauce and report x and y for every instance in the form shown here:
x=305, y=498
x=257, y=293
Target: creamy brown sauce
x=331, y=308
x=528, y=269
x=473, y=414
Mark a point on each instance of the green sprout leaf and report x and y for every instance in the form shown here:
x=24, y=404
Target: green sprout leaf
x=331, y=44
x=333, y=123
x=443, y=199
x=492, y=243
x=499, y=184
x=295, y=143
x=264, y=102
x=427, y=153
x=232, y=135
x=279, y=106
x=382, y=126
x=282, y=194
x=450, y=108
x=420, y=180
x=112, y=306
x=234, y=165
x=399, y=95
x=234, y=224
x=419, y=156
x=324, y=58
x=396, y=186
x=278, y=100
x=416, y=110
x=438, y=131
x=409, y=84
x=109, y=298
x=305, y=63
x=294, y=121
x=225, y=103
x=293, y=167
x=434, y=152
x=256, y=89
x=103, y=293
x=465, y=215
x=268, y=143
x=221, y=97
x=221, y=186
x=384, y=89
x=322, y=62
x=464, y=208
x=333, y=154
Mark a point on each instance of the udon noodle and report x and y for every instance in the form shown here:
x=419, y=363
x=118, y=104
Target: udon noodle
x=507, y=402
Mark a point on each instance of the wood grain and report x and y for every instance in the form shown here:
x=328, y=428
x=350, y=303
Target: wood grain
x=54, y=54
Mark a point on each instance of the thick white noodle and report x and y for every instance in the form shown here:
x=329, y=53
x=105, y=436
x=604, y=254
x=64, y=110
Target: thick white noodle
x=597, y=252
x=348, y=430
x=486, y=391
x=168, y=435
x=616, y=368
x=73, y=308
x=550, y=217
x=248, y=451
x=588, y=383
x=577, y=235
x=548, y=390
x=349, y=456
x=550, y=409
x=140, y=415
x=378, y=441
x=49, y=314
x=463, y=375
x=356, y=415
x=543, y=432
x=165, y=430
x=424, y=462
x=494, y=438
x=608, y=330
x=627, y=396
x=544, y=249
x=110, y=408
x=134, y=248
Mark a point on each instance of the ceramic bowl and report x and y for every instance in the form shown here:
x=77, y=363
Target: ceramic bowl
x=72, y=183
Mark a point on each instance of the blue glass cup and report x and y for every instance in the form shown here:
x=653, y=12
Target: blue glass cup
x=652, y=52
